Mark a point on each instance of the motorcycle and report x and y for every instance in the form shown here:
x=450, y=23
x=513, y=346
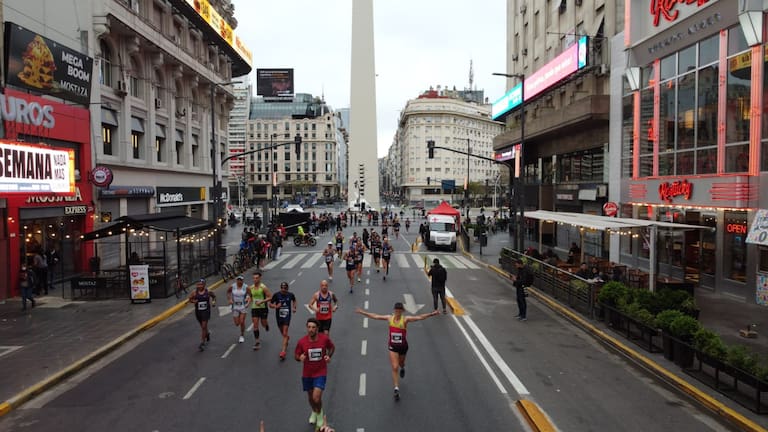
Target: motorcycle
x=307, y=240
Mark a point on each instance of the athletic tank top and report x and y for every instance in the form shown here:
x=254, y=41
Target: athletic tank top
x=351, y=257
x=324, y=309
x=376, y=246
x=339, y=241
x=397, y=331
x=329, y=255
x=386, y=250
x=238, y=296
x=258, y=294
x=203, y=301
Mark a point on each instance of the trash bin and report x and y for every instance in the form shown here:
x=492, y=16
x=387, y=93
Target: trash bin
x=483, y=239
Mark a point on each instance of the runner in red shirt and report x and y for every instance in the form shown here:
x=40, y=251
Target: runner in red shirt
x=315, y=351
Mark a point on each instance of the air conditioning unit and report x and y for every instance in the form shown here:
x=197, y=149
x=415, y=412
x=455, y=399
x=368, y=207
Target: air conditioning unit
x=525, y=51
x=514, y=57
x=602, y=70
x=122, y=88
x=523, y=8
x=158, y=103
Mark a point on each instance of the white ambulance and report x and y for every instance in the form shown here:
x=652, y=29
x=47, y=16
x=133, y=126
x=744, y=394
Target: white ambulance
x=442, y=232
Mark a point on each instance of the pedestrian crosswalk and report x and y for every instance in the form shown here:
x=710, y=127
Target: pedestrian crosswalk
x=307, y=260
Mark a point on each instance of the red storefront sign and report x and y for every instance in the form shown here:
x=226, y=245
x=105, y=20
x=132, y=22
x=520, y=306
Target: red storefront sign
x=668, y=190
x=610, y=209
x=666, y=9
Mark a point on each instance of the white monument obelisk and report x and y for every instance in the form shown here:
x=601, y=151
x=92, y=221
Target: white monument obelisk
x=363, y=167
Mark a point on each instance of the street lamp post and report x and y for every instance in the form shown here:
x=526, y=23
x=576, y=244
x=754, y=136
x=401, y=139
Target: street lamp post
x=518, y=186
x=466, y=187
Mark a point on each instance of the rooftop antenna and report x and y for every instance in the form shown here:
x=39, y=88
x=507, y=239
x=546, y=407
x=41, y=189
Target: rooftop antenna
x=471, y=75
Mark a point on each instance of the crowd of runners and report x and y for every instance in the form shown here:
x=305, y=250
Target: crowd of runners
x=315, y=349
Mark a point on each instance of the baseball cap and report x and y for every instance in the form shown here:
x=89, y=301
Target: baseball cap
x=330, y=243
x=240, y=277
x=399, y=305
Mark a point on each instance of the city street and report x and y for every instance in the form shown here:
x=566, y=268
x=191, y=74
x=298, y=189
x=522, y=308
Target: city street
x=463, y=372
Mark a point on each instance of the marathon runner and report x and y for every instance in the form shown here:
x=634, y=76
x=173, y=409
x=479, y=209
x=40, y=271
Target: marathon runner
x=328, y=256
x=260, y=296
x=349, y=259
x=386, y=254
x=315, y=351
x=398, y=343
x=376, y=250
x=285, y=304
x=321, y=304
x=339, y=243
x=359, y=257
x=203, y=301
x=239, y=299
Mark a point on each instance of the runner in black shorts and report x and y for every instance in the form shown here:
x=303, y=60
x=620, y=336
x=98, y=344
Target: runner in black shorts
x=376, y=249
x=203, y=301
x=339, y=243
x=285, y=303
x=349, y=259
x=386, y=254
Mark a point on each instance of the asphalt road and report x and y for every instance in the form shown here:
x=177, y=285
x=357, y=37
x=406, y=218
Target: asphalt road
x=463, y=372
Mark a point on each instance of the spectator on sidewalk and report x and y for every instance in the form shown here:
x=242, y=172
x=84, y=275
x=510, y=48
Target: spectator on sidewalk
x=40, y=267
x=584, y=272
x=521, y=281
x=26, y=285
x=52, y=258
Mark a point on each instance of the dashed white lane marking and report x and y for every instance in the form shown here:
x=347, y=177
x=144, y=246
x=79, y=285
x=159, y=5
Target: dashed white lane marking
x=365, y=322
x=292, y=263
x=468, y=262
x=311, y=261
x=194, y=388
x=361, y=391
x=367, y=291
x=401, y=261
x=365, y=305
x=418, y=260
x=364, y=348
x=229, y=350
x=366, y=261
x=454, y=262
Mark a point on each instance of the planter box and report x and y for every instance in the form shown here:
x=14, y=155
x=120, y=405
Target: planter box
x=738, y=385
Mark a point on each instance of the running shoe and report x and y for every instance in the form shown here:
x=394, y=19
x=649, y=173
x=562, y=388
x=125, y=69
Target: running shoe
x=385, y=277
x=402, y=372
x=350, y=290
x=313, y=418
x=358, y=279
x=330, y=277
x=522, y=319
x=256, y=346
x=241, y=339
x=266, y=327
x=201, y=347
x=208, y=337
x=397, y=393
x=319, y=417
x=282, y=355
x=377, y=270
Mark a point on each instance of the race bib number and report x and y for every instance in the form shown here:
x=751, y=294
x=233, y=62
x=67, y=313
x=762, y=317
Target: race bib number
x=283, y=312
x=329, y=258
x=238, y=303
x=325, y=308
x=202, y=305
x=396, y=338
x=339, y=244
x=315, y=354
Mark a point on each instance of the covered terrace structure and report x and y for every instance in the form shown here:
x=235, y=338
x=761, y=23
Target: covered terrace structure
x=171, y=244
x=613, y=226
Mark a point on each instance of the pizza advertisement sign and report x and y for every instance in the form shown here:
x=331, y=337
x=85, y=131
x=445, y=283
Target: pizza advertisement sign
x=40, y=64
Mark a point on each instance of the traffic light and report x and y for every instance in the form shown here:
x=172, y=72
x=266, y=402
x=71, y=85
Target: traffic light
x=297, y=144
x=431, y=148
x=428, y=179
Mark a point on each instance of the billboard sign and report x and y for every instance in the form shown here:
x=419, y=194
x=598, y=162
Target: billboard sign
x=33, y=169
x=43, y=65
x=272, y=83
x=569, y=61
x=222, y=28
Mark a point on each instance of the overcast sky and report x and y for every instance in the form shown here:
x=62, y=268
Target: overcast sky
x=418, y=43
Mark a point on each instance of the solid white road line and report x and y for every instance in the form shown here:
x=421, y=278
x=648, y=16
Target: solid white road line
x=511, y=377
x=229, y=350
x=468, y=262
x=194, y=388
x=401, y=261
x=479, y=355
x=361, y=391
x=364, y=348
x=311, y=261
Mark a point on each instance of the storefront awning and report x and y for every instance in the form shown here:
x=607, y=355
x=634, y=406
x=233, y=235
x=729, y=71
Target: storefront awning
x=758, y=232
x=108, y=117
x=582, y=220
x=158, y=222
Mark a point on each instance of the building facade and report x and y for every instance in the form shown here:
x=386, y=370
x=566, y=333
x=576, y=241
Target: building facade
x=238, y=118
x=558, y=59
x=282, y=176
x=452, y=119
x=693, y=137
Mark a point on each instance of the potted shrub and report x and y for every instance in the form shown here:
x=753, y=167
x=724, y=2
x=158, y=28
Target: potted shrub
x=683, y=328
x=663, y=321
x=611, y=296
x=689, y=307
x=711, y=346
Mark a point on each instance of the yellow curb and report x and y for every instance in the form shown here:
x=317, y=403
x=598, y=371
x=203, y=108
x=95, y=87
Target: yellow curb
x=47, y=383
x=702, y=398
x=534, y=416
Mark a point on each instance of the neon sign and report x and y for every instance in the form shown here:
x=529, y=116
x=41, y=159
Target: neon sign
x=666, y=9
x=683, y=188
x=736, y=228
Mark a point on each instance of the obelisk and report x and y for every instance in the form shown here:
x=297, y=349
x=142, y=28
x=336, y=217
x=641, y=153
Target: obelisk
x=363, y=167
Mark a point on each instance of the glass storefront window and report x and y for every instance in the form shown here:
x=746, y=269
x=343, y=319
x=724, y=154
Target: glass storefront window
x=667, y=116
x=739, y=98
x=736, y=41
x=686, y=59
x=686, y=111
x=668, y=67
x=648, y=76
x=706, y=161
x=627, y=129
x=737, y=158
x=708, y=241
x=735, y=249
x=763, y=264
x=706, y=129
x=670, y=242
x=667, y=163
x=685, y=163
x=646, y=132
x=709, y=50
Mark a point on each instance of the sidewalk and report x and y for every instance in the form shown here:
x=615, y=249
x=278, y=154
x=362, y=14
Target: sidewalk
x=721, y=314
